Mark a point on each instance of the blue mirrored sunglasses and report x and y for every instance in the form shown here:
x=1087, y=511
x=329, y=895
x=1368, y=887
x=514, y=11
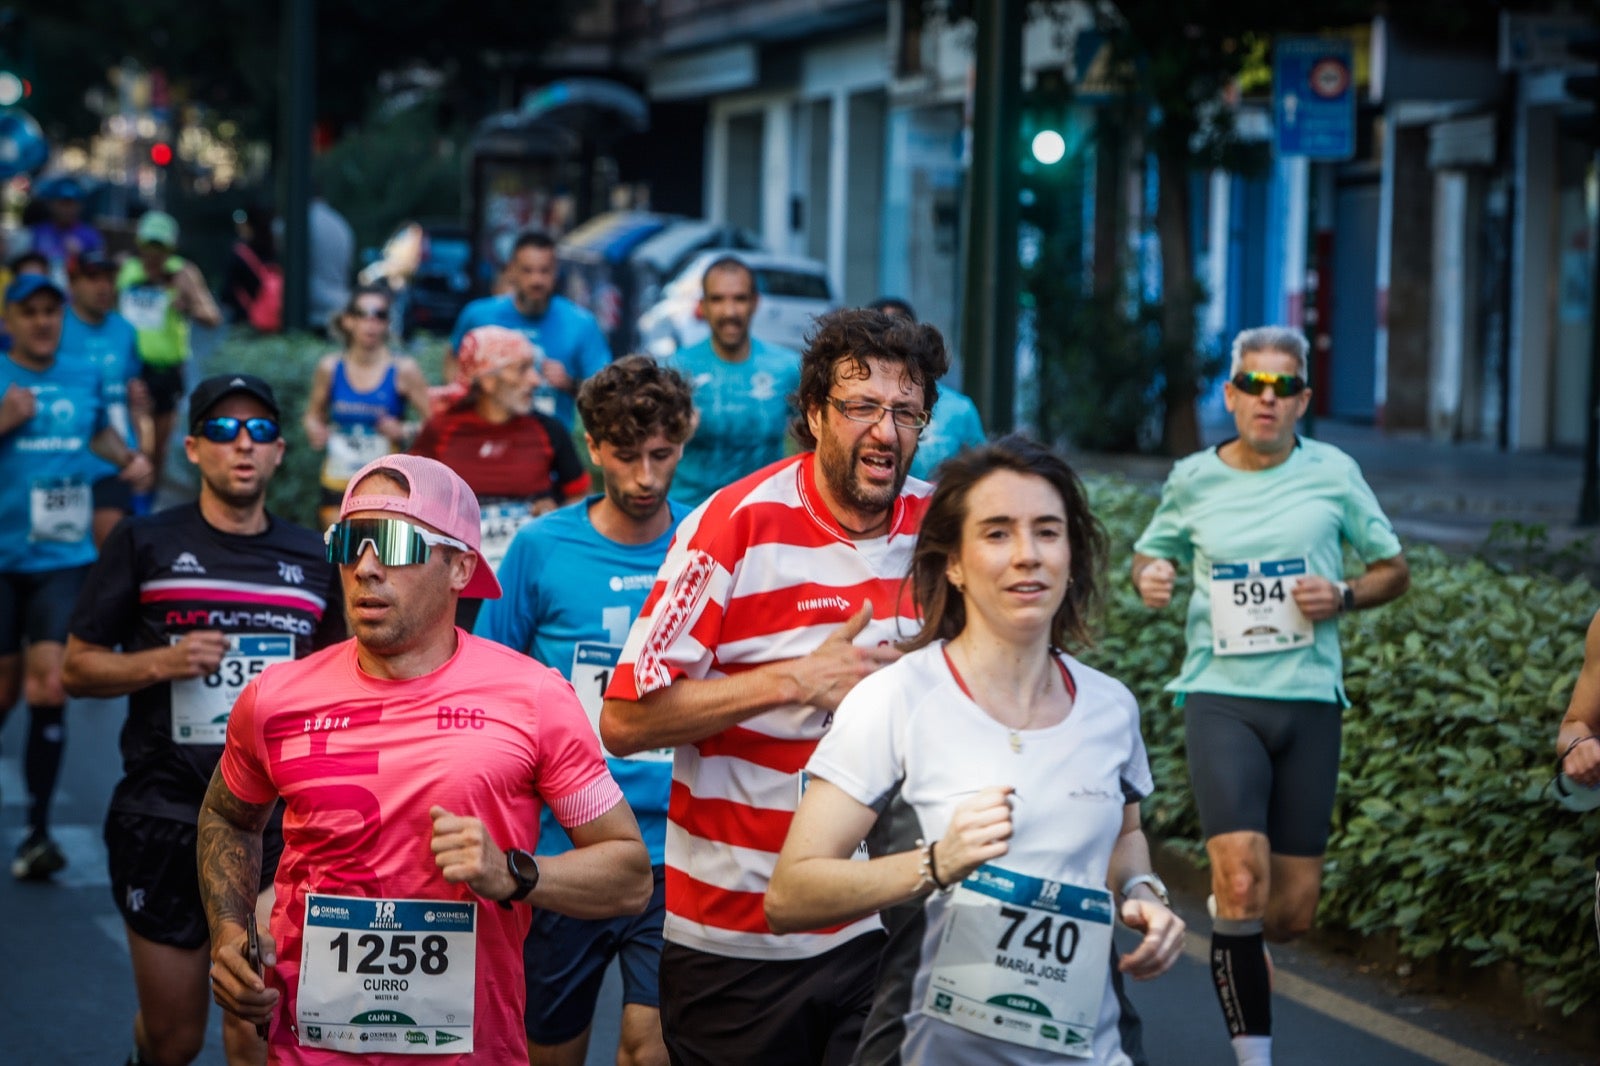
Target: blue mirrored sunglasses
x=225, y=429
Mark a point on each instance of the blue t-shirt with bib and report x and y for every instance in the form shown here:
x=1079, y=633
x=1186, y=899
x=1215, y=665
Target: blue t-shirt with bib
x=744, y=410
x=112, y=350
x=44, y=468
x=571, y=595
x=565, y=332
x=1307, y=506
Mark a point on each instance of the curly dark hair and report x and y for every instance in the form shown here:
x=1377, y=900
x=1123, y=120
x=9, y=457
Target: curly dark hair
x=944, y=613
x=853, y=335
x=633, y=398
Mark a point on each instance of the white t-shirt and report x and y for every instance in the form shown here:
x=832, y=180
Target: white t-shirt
x=908, y=742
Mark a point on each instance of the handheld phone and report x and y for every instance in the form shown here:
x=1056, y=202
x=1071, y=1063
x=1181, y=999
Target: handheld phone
x=252, y=954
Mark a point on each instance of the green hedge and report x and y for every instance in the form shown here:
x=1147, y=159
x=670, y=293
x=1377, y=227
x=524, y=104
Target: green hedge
x=1440, y=837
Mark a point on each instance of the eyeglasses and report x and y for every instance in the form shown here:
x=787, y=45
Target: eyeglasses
x=872, y=413
x=225, y=430
x=1255, y=382
x=394, y=541
x=370, y=313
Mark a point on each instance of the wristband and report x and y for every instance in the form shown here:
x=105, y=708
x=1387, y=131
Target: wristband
x=1158, y=886
x=929, y=868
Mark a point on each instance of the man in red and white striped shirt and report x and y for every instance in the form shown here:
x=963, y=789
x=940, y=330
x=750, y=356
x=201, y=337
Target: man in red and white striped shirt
x=778, y=594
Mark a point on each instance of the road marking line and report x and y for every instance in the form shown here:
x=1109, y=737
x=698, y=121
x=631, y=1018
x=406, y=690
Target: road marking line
x=1341, y=1008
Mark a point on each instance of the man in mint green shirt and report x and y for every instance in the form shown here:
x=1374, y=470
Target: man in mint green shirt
x=742, y=388
x=1262, y=519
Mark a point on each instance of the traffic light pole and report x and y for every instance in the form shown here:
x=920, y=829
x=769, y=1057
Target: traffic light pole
x=298, y=94
x=989, y=281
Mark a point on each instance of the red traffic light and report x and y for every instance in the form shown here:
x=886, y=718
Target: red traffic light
x=161, y=154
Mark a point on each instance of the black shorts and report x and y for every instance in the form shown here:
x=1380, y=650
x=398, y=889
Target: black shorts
x=333, y=498
x=155, y=878
x=1265, y=766
x=38, y=606
x=111, y=493
x=165, y=384
x=717, y=1010
x=566, y=959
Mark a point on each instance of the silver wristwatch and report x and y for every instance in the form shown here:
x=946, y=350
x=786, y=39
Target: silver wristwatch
x=1158, y=886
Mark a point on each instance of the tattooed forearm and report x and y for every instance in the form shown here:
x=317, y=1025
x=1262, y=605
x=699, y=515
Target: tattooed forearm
x=229, y=854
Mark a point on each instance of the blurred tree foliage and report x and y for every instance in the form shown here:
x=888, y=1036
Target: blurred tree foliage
x=226, y=56
x=398, y=165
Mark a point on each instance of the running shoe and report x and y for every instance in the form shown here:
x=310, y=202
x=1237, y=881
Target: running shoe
x=37, y=858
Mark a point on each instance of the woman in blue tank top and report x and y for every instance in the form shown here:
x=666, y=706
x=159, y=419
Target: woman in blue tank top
x=359, y=396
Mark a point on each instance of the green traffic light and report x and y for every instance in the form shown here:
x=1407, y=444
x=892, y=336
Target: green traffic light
x=1049, y=147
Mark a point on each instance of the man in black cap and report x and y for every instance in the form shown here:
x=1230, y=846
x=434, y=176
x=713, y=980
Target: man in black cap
x=52, y=416
x=200, y=598
x=95, y=332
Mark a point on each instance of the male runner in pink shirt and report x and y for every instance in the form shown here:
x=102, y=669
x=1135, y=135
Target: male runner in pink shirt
x=408, y=760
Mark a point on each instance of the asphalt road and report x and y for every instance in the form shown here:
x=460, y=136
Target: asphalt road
x=66, y=994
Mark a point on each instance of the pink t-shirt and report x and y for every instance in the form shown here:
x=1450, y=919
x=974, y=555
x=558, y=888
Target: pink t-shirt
x=359, y=760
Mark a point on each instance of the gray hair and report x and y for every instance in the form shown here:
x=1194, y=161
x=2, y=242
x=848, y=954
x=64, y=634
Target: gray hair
x=1285, y=339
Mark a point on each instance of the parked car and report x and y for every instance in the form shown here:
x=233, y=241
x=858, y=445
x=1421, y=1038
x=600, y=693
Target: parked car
x=615, y=264
x=794, y=290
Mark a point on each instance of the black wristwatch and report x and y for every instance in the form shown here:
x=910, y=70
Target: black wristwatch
x=525, y=870
x=1347, y=596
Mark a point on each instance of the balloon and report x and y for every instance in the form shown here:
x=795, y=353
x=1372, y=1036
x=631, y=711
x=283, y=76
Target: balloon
x=23, y=149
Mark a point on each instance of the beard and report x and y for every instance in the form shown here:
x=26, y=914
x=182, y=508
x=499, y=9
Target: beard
x=839, y=467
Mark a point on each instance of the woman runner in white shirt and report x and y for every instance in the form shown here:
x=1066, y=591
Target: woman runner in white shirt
x=996, y=780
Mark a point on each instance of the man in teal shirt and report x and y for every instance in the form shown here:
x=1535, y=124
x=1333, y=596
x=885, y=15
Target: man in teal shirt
x=743, y=388
x=1263, y=518
x=953, y=424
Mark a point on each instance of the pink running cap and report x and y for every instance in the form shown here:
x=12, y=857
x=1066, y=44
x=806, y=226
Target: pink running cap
x=438, y=498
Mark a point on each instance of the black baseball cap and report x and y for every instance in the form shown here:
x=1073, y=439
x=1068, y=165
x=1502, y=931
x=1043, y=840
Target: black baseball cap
x=93, y=261
x=214, y=390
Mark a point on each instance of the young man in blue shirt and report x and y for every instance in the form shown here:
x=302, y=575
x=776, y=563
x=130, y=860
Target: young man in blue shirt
x=573, y=582
x=566, y=338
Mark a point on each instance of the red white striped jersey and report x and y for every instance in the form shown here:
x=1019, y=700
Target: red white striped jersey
x=759, y=573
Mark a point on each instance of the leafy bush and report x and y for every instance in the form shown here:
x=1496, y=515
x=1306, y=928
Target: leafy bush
x=1441, y=839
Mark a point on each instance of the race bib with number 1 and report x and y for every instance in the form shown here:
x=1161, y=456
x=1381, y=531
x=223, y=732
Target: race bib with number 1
x=391, y=975
x=592, y=666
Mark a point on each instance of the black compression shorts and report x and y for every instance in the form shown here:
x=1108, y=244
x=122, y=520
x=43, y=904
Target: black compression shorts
x=1265, y=766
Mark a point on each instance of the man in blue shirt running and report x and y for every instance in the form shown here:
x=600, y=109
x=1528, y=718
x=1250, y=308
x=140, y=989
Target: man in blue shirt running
x=52, y=414
x=574, y=581
x=566, y=338
x=95, y=331
x=742, y=387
